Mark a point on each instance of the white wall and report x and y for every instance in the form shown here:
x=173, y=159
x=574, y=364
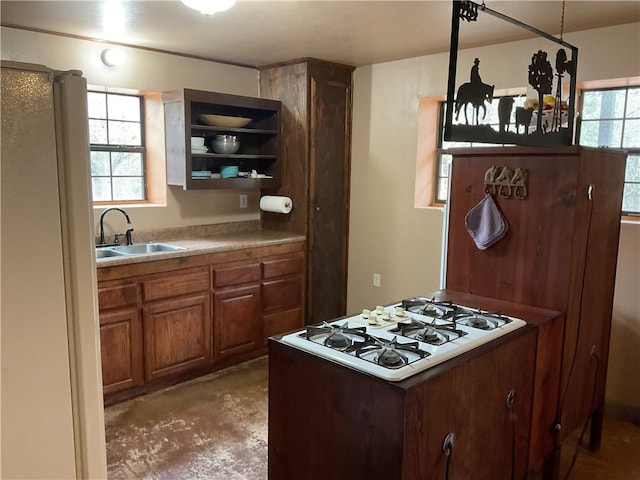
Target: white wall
x=151, y=71
x=391, y=237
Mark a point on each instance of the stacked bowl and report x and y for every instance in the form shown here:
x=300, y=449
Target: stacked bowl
x=197, y=145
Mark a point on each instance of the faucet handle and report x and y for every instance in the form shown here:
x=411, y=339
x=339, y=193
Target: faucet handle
x=116, y=238
x=128, y=236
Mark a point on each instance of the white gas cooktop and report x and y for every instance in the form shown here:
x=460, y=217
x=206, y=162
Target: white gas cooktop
x=400, y=340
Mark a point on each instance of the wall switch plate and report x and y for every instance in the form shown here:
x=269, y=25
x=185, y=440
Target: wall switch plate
x=243, y=200
x=376, y=279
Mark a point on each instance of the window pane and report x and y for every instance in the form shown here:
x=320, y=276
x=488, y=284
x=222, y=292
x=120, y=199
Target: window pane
x=631, y=197
x=100, y=164
x=127, y=164
x=123, y=107
x=128, y=188
x=101, y=189
x=633, y=103
x=631, y=133
x=97, y=105
x=116, y=175
x=98, y=132
x=445, y=165
x=124, y=133
x=601, y=134
x=603, y=104
x=443, y=189
x=632, y=173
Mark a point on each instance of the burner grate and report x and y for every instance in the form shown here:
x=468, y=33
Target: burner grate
x=388, y=353
x=338, y=337
x=431, y=333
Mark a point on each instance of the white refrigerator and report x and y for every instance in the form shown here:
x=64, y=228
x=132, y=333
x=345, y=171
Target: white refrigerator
x=51, y=411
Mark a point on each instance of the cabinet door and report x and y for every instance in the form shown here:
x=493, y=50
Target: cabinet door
x=470, y=401
x=330, y=134
x=177, y=335
x=121, y=347
x=237, y=319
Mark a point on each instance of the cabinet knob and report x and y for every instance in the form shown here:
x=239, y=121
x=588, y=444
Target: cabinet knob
x=317, y=208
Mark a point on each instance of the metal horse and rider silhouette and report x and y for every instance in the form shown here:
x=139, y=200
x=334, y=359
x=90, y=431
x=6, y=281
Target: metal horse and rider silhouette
x=475, y=93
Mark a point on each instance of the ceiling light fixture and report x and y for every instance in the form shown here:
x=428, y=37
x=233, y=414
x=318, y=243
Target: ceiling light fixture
x=209, y=7
x=112, y=57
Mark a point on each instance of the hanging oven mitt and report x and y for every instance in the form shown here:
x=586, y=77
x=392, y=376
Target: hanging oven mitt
x=485, y=223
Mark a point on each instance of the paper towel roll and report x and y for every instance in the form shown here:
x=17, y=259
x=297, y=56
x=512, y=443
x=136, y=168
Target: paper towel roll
x=272, y=203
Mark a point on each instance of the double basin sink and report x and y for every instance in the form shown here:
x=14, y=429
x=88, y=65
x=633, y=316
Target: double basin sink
x=135, y=249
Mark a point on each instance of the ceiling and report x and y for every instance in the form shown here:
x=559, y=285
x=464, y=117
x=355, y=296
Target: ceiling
x=261, y=32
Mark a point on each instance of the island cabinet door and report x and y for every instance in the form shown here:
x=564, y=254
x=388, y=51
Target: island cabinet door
x=480, y=410
x=237, y=320
x=177, y=335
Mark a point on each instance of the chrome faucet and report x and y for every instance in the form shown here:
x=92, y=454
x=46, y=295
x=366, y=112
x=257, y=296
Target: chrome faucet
x=127, y=235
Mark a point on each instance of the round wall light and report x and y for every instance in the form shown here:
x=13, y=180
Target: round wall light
x=112, y=57
x=209, y=7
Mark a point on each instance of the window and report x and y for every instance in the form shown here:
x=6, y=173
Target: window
x=443, y=158
x=611, y=118
x=116, y=135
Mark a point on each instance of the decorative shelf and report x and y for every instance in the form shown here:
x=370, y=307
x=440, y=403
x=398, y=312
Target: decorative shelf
x=259, y=140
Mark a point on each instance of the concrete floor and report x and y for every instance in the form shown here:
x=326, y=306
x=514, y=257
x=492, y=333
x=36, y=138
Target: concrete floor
x=215, y=428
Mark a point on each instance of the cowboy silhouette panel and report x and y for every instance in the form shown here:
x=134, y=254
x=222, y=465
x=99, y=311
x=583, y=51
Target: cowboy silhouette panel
x=474, y=93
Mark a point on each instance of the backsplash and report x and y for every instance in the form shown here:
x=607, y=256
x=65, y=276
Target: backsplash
x=195, y=231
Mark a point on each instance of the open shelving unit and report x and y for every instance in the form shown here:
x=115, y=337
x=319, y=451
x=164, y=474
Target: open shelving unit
x=259, y=140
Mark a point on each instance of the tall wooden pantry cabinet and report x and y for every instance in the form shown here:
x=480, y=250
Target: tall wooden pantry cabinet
x=560, y=253
x=316, y=154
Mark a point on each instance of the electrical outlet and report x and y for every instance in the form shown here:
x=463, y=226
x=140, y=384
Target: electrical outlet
x=376, y=279
x=243, y=200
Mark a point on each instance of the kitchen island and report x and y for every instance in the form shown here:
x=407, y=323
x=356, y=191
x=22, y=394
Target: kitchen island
x=170, y=316
x=467, y=417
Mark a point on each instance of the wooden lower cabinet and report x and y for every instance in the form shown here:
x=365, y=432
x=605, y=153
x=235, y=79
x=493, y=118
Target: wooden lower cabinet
x=166, y=321
x=177, y=335
x=121, y=348
x=236, y=319
x=120, y=336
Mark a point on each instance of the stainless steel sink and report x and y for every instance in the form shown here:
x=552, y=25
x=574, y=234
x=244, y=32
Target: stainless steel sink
x=142, y=248
x=136, y=249
x=106, y=252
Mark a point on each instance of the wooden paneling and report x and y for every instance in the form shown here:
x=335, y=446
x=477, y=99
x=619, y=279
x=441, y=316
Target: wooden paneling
x=560, y=253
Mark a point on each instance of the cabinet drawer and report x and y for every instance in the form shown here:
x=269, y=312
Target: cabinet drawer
x=177, y=283
x=117, y=296
x=282, y=322
x=281, y=294
x=236, y=275
x=281, y=266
